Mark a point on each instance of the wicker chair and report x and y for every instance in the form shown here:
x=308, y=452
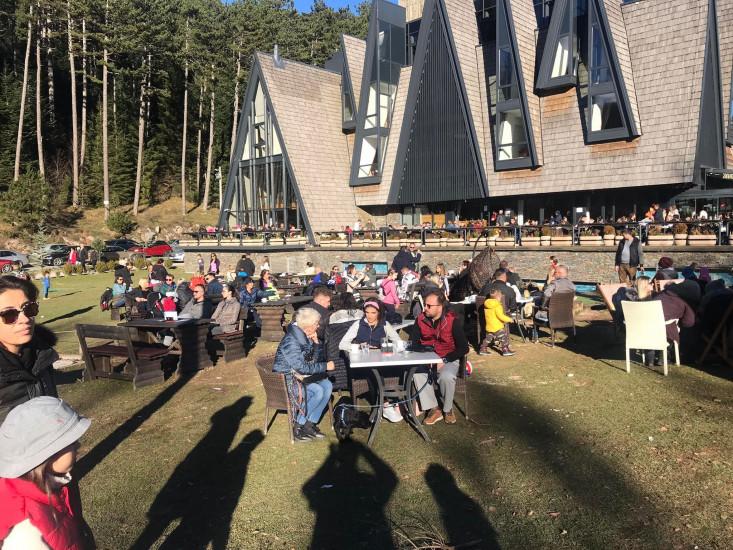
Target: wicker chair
x=559, y=313
x=276, y=391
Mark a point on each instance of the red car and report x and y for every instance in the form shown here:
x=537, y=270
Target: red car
x=6, y=266
x=155, y=248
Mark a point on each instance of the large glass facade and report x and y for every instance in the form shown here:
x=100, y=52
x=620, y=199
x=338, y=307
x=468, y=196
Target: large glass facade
x=264, y=192
x=386, y=51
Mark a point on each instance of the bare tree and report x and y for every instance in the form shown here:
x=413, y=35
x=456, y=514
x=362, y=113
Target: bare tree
x=210, y=154
x=140, y=141
x=74, y=116
x=185, y=129
x=83, y=147
x=51, y=99
x=39, y=110
x=105, y=133
x=235, y=114
x=23, y=95
x=202, y=91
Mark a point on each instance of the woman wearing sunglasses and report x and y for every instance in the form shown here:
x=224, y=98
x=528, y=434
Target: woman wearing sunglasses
x=26, y=359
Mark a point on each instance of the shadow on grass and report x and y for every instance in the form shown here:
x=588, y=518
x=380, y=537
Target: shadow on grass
x=100, y=451
x=463, y=519
x=348, y=501
x=70, y=314
x=609, y=505
x=204, y=489
x=68, y=376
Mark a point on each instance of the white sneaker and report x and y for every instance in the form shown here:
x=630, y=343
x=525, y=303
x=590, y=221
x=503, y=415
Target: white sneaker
x=392, y=412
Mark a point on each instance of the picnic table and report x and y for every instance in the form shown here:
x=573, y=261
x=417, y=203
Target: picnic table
x=402, y=364
x=191, y=335
x=272, y=314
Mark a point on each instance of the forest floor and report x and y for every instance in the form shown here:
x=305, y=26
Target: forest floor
x=563, y=450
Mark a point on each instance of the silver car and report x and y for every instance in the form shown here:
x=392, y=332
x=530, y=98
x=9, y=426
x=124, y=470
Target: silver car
x=22, y=259
x=176, y=254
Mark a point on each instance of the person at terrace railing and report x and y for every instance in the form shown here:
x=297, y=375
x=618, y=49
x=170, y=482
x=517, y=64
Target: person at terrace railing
x=629, y=256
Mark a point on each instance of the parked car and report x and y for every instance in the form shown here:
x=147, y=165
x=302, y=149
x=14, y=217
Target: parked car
x=56, y=257
x=6, y=266
x=17, y=257
x=125, y=244
x=176, y=254
x=153, y=248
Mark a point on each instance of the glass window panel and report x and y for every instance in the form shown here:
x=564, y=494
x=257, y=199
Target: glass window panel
x=598, y=51
x=506, y=72
x=397, y=39
x=275, y=146
x=383, y=40
x=259, y=103
x=600, y=76
x=561, y=65
x=512, y=136
x=260, y=141
x=605, y=112
x=246, y=155
x=368, y=160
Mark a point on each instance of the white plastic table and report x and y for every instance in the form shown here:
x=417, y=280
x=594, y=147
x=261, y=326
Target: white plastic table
x=405, y=363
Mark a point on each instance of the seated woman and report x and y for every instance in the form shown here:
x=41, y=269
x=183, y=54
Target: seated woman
x=226, y=315
x=297, y=357
x=119, y=289
x=354, y=279
x=267, y=284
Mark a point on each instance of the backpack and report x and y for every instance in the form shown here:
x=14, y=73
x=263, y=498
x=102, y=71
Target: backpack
x=105, y=299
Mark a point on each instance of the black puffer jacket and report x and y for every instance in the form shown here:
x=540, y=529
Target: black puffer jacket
x=28, y=375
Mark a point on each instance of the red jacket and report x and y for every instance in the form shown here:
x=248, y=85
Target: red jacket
x=21, y=500
x=441, y=336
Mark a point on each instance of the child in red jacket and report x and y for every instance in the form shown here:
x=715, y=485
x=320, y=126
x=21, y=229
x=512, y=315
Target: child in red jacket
x=38, y=445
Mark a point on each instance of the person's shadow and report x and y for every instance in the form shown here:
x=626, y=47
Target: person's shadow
x=204, y=489
x=463, y=519
x=349, y=502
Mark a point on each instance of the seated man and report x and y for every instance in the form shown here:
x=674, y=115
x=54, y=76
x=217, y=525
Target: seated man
x=213, y=287
x=408, y=277
x=297, y=357
x=198, y=307
x=560, y=283
x=249, y=297
x=499, y=282
x=321, y=302
x=512, y=277
x=441, y=329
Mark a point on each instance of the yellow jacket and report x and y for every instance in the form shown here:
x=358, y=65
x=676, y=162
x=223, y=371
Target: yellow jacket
x=494, y=315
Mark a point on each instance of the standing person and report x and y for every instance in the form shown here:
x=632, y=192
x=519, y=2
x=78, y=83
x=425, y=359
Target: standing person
x=499, y=282
x=72, y=256
x=496, y=321
x=39, y=441
x=371, y=273
x=46, y=283
x=629, y=257
x=265, y=264
x=214, y=264
x=439, y=328
x=299, y=356
x=415, y=256
x=200, y=264
x=158, y=273
x=93, y=259
x=390, y=296
x=245, y=266
x=82, y=258
x=26, y=355
x=226, y=314
x=442, y=275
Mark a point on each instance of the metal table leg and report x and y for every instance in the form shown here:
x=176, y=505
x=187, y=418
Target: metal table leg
x=411, y=405
x=377, y=412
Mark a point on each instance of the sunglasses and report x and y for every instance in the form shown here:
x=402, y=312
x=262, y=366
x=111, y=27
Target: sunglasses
x=10, y=316
x=169, y=280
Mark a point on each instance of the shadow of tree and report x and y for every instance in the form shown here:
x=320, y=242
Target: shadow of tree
x=69, y=314
x=204, y=489
x=100, y=451
x=597, y=486
x=348, y=501
x=463, y=518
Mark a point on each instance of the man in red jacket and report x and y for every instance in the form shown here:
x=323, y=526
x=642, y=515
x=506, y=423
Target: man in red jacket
x=443, y=331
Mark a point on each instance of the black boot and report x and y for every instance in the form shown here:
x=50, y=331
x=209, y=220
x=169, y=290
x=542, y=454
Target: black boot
x=312, y=430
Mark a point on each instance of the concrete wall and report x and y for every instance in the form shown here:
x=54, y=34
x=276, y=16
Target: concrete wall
x=587, y=265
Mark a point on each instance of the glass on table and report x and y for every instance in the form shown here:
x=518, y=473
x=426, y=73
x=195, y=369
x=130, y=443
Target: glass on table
x=364, y=347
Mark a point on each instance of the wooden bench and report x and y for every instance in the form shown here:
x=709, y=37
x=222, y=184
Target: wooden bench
x=230, y=345
x=142, y=362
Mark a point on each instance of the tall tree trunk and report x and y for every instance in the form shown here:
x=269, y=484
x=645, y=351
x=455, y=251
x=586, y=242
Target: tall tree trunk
x=49, y=73
x=23, y=95
x=74, y=117
x=202, y=91
x=235, y=114
x=140, y=141
x=39, y=110
x=105, y=134
x=185, y=129
x=83, y=146
x=209, y=157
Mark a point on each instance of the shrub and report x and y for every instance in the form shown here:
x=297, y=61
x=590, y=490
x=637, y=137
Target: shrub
x=67, y=268
x=121, y=223
x=101, y=267
x=98, y=245
x=78, y=269
x=111, y=265
x=609, y=230
x=139, y=262
x=679, y=229
x=27, y=203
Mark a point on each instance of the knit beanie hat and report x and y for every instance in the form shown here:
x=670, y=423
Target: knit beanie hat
x=665, y=262
x=36, y=430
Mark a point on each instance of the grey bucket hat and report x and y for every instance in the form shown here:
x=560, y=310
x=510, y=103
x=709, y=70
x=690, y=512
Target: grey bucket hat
x=35, y=431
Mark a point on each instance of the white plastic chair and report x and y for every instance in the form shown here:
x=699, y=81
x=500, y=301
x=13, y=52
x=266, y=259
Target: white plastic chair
x=646, y=330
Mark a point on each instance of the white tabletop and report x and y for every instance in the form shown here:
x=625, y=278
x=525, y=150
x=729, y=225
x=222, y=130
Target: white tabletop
x=524, y=300
x=375, y=358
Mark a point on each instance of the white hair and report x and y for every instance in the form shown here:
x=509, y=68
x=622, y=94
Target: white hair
x=307, y=317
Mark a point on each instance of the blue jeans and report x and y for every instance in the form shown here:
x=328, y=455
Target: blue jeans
x=317, y=396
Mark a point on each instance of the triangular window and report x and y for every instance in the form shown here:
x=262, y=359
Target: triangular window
x=514, y=142
x=439, y=156
x=347, y=101
x=604, y=102
x=385, y=56
x=557, y=66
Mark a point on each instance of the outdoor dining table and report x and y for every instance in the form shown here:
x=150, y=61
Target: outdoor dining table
x=404, y=364
x=272, y=313
x=191, y=335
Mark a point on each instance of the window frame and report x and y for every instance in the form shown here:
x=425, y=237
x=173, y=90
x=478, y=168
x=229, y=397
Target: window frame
x=563, y=11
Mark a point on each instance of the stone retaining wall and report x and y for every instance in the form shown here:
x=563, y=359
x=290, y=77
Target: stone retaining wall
x=586, y=264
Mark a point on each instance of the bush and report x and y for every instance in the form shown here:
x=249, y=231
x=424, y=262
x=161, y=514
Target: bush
x=78, y=269
x=679, y=229
x=101, y=267
x=111, y=265
x=140, y=263
x=27, y=203
x=168, y=263
x=609, y=230
x=98, y=245
x=67, y=268
x=121, y=223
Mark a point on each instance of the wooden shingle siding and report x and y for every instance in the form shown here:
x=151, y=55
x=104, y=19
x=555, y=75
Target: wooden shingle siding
x=306, y=101
x=725, y=36
x=354, y=53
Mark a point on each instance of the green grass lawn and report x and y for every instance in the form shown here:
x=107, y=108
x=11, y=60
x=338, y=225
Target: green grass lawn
x=563, y=450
